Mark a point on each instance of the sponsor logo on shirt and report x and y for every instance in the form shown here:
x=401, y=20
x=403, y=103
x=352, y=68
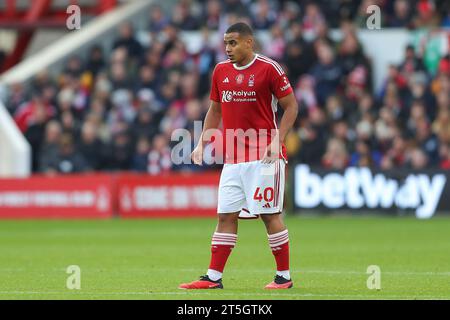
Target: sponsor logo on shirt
x=239, y=78
x=251, y=80
x=238, y=96
x=286, y=86
x=283, y=88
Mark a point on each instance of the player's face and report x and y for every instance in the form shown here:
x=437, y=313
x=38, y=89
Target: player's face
x=237, y=47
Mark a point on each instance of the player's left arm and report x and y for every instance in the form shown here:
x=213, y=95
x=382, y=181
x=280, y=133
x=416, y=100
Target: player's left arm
x=290, y=107
x=282, y=90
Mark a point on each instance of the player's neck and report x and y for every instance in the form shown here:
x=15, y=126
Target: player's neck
x=246, y=61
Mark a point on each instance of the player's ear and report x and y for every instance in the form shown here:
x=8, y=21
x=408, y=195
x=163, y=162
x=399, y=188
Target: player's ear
x=249, y=42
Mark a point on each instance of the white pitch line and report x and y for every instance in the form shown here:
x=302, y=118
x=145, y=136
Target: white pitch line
x=305, y=271
x=219, y=294
x=424, y=273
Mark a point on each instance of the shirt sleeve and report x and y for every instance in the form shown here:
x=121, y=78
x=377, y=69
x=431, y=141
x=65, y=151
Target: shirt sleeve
x=214, y=94
x=279, y=82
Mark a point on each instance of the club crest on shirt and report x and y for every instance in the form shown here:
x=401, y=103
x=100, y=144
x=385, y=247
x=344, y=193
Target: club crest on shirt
x=251, y=80
x=239, y=78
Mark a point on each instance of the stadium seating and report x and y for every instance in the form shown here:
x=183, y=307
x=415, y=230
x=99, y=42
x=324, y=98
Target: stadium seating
x=115, y=109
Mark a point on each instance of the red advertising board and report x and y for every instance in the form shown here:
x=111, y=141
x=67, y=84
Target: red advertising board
x=172, y=195
x=77, y=196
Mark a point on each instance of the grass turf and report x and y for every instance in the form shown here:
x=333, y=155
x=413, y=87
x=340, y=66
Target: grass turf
x=147, y=259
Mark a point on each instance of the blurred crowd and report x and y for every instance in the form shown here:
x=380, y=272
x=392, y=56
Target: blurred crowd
x=115, y=109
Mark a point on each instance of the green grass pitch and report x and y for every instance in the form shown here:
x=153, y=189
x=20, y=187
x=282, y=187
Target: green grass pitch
x=147, y=259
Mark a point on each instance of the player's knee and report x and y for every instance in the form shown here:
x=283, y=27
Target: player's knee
x=227, y=219
x=268, y=218
x=272, y=221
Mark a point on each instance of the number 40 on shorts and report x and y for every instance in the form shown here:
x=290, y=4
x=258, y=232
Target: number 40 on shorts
x=267, y=194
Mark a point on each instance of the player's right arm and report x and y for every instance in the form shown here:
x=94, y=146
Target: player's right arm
x=212, y=121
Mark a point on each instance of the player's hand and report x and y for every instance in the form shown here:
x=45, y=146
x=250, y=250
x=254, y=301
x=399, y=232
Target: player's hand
x=197, y=155
x=272, y=152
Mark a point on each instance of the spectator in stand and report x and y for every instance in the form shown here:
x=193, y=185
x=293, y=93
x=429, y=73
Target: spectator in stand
x=363, y=110
x=336, y=155
x=335, y=109
x=327, y=73
x=103, y=130
x=313, y=139
x=426, y=15
x=419, y=91
x=67, y=158
x=402, y=15
x=144, y=124
x=393, y=103
x=131, y=94
x=305, y=94
x=412, y=63
x=427, y=141
x=341, y=131
x=70, y=125
x=356, y=84
x=26, y=113
x=173, y=119
x=441, y=126
x=119, y=73
x=365, y=156
x=276, y=47
x=74, y=67
x=323, y=35
x=446, y=19
x=159, y=160
x=263, y=16
x=312, y=21
x=299, y=54
x=35, y=135
x=157, y=19
x=147, y=78
x=205, y=63
x=122, y=108
x=182, y=17
x=121, y=150
x=91, y=147
x=236, y=6
x=141, y=156
x=212, y=13
x=444, y=153
x=127, y=40
x=394, y=157
x=351, y=54
x=96, y=61
x=417, y=159
x=16, y=96
x=65, y=100
x=289, y=14
x=386, y=128
x=80, y=89
x=49, y=148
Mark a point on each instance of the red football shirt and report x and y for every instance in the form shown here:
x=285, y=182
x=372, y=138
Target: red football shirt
x=248, y=96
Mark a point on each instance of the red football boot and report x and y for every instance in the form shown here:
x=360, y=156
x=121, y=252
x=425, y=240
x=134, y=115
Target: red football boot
x=279, y=283
x=204, y=283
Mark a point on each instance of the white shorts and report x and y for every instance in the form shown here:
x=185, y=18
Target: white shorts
x=252, y=187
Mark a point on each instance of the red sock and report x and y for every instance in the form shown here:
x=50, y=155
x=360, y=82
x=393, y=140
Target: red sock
x=221, y=246
x=279, y=243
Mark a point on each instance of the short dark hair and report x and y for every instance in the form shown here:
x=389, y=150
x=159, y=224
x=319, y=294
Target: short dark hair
x=241, y=28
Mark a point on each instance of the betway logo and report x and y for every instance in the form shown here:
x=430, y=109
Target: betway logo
x=228, y=95
x=358, y=188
